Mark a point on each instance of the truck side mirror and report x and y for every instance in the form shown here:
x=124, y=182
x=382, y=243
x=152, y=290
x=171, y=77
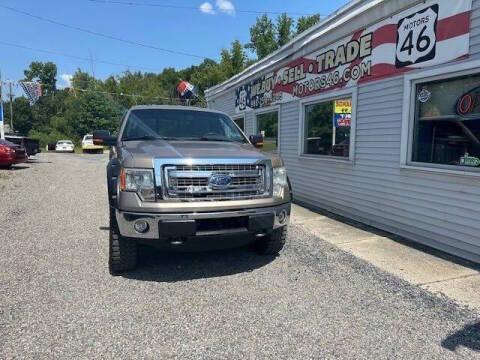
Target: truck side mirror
x=103, y=138
x=257, y=141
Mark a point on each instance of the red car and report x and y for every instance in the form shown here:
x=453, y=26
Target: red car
x=11, y=154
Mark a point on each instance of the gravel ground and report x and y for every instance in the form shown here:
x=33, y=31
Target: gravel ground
x=57, y=299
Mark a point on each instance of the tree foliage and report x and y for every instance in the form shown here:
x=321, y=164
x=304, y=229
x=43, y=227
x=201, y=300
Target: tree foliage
x=306, y=22
x=90, y=104
x=284, y=29
x=267, y=36
x=46, y=73
x=263, y=37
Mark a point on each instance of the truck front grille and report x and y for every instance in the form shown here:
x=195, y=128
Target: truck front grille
x=194, y=182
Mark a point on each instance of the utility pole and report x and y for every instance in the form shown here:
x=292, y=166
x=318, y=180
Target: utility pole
x=92, y=67
x=2, y=129
x=11, y=106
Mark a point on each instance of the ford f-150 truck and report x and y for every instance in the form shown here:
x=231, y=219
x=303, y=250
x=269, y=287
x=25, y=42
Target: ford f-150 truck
x=183, y=176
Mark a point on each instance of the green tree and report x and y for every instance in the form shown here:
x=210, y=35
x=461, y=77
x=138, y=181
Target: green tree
x=209, y=74
x=262, y=37
x=284, y=29
x=83, y=81
x=92, y=111
x=46, y=73
x=22, y=121
x=233, y=61
x=306, y=22
x=226, y=62
x=238, y=57
x=47, y=107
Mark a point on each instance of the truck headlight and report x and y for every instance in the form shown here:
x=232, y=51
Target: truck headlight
x=140, y=181
x=279, y=182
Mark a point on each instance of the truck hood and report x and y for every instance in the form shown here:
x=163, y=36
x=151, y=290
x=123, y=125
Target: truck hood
x=142, y=153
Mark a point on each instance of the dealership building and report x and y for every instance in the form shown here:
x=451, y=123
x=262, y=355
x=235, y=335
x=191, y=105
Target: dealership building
x=376, y=113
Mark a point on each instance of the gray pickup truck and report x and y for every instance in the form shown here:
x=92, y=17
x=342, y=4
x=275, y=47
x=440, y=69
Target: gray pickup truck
x=184, y=178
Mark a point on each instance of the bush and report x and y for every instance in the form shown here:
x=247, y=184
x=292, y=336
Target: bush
x=48, y=137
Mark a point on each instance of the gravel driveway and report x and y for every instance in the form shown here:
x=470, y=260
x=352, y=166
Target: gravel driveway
x=57, y=299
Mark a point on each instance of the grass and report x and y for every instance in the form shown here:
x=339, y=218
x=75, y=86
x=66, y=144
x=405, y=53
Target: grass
x=78, y=150
x=269, y=146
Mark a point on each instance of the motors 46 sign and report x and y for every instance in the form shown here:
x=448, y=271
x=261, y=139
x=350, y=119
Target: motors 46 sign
x=417, y=37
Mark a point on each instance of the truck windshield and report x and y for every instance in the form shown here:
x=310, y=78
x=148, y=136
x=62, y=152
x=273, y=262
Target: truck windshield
x=151, y=124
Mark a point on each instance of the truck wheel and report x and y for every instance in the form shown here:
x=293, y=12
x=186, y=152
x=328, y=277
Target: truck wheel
x=272, y=244
x=122, y=253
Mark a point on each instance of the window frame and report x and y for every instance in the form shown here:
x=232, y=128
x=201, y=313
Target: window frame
x=240, y=117
x=267, y=110
x=330, y=96
x=408, y=116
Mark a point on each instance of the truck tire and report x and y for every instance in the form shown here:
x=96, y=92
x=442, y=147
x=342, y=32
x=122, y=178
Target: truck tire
x=272, y=244
x=122, y=252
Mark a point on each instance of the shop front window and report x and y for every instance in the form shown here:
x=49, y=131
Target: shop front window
x=267, y=126
x=327, y=128
x=447, y=122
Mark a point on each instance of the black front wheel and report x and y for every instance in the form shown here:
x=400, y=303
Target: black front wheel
x=273, y=243
x=122, y=253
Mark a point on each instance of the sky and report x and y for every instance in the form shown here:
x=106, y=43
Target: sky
x=199, y=28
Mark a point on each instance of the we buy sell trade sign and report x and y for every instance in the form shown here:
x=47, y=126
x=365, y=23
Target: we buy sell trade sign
x=430, y=33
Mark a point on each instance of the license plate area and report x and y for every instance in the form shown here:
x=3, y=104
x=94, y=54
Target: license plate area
x=216, y=226
x=224, y=225
x=174, y=229
x=261, y=223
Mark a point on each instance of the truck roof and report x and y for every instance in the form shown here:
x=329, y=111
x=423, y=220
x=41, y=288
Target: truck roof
x=174, y=107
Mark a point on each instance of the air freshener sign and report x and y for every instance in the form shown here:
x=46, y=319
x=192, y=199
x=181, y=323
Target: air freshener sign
x=430, y=33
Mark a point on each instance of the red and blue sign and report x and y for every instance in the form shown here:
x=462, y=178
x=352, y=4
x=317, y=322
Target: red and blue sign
x=342, y=120
x=186, y=90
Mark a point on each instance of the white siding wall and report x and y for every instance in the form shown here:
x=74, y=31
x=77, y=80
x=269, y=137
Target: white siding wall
x=437, y=210
x=475, y=30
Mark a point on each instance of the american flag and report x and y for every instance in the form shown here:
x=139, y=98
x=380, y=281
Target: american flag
x=32, y=89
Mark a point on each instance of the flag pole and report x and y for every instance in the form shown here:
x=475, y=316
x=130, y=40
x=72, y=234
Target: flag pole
x=2, y=129
x=11, y=106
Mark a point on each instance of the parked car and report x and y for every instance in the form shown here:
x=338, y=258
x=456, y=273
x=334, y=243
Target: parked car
x=182, y=178
x=31, y=146
x=11, y=154
x=65, y=146
x=89, y=146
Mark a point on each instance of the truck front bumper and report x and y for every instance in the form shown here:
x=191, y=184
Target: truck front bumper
x=183, y=225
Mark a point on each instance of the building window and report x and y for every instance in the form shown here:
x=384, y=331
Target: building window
x=327, y=128
x=267, y=126
x=240, y=122
x=447, y=122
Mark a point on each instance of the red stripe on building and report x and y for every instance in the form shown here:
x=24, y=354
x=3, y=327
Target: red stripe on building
x=381, y=71
x=358, y=35
x=453, y=26
x=385, y=35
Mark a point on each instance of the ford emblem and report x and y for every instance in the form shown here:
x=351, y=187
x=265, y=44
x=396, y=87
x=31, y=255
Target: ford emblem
x=220, y=181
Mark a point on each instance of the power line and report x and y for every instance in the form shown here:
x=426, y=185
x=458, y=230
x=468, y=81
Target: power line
x=136, y=96
x=184, y=7
x=76, y=57
x=91, y=32
x=121, y=94
x=91, y=81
